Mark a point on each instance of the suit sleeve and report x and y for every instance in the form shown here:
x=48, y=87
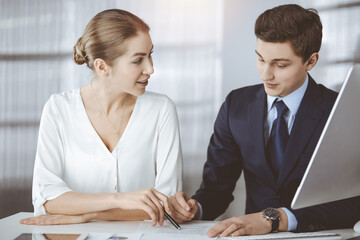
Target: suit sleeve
x=222, y=168
x=339, y=214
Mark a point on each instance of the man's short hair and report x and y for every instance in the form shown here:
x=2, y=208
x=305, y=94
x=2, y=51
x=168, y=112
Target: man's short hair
x=291, y=23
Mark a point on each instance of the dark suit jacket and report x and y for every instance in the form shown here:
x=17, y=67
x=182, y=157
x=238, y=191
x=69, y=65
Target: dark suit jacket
x=237, y=145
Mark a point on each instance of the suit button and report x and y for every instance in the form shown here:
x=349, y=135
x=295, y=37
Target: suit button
x=311, y=227
x=319, y=227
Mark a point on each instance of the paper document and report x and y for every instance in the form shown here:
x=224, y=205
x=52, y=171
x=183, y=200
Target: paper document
x=114, y=236
x=195, y=230
x=290, y=235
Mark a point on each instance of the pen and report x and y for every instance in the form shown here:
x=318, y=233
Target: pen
x=172, y=220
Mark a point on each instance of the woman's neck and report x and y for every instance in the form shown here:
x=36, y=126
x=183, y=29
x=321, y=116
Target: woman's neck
x=109, y=98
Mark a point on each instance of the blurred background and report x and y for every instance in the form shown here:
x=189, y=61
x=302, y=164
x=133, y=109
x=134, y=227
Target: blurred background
x=203, y=49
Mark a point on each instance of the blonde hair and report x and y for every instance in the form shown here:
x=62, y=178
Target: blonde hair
x=104, y=35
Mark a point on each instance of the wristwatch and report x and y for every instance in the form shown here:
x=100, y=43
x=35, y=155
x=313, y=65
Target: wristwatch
x=272, y=215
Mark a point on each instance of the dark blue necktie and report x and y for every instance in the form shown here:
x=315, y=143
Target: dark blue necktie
x=278, y=139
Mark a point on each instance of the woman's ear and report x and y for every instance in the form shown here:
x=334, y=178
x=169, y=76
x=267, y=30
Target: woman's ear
x=101, y=68
x=311, y=62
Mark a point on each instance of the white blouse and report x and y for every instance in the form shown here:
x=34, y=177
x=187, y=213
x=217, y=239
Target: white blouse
x=72, y=157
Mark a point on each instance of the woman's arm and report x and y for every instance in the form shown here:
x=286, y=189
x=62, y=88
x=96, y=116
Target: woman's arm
x=169, y=154
x=72, y=207
x=108, y=215
x=73, y=203
x=121, y=214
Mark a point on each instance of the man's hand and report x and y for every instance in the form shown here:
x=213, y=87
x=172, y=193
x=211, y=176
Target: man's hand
x=251, y=224
x=183, y=208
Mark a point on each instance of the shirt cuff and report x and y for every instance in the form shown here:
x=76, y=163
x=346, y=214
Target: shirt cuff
x=201, y=211
x=292, y=222
x=45, y=194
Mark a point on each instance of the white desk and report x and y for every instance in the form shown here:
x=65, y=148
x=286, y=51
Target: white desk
x=10, y=227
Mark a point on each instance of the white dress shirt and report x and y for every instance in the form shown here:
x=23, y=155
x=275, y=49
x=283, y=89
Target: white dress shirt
x=72, y=157
x=292, y=101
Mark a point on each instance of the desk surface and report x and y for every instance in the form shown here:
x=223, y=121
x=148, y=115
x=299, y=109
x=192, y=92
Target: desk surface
x=10, y=227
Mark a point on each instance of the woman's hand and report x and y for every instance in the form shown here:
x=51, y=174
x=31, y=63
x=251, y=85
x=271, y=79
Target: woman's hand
x=149, y=200
x=56, y=219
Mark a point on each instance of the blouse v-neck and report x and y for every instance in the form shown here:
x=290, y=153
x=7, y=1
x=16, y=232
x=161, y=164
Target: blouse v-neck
x=94, y=132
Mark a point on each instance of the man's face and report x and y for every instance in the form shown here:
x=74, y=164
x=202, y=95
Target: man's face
x=280, y=69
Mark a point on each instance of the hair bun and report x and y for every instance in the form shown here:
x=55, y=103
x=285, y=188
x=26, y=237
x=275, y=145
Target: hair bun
x=104, y=36
x=79, y=54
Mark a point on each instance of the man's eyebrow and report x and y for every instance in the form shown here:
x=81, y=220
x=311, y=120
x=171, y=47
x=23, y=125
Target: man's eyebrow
x=142, y=53
x=280, y=59
x=258, y=53
x=276, y=59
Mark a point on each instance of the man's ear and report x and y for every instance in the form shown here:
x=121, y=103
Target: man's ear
x=311, y=62
x=101, y=68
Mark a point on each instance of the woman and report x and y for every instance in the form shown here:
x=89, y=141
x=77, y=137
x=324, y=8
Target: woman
x=100, y=145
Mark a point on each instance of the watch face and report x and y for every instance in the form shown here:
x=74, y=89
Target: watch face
x=271, y=213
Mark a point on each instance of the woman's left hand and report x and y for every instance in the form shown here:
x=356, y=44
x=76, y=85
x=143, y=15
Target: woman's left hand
x=55, y=219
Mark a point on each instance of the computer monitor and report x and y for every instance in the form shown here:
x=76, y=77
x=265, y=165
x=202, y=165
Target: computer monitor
x=333, y=172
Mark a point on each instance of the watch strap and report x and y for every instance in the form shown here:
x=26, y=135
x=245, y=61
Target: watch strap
x=275, y=224
x=273, y=215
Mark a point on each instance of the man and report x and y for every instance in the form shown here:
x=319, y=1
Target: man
x=269, y=131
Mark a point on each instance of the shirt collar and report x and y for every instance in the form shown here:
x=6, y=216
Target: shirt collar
x=292, y=100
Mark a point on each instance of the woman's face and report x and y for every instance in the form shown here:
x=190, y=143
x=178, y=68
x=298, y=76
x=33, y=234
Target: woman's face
x=131, y=71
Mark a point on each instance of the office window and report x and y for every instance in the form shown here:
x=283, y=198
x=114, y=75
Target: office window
x=341, y=39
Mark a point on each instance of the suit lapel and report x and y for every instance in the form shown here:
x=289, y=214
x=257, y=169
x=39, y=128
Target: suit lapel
x=256, y=118
x=306, y=120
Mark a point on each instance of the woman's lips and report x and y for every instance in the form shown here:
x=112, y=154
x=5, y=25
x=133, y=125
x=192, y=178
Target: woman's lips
x=143, y=83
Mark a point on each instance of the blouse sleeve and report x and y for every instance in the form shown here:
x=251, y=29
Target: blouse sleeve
x=48, y=168
x=169, y=154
